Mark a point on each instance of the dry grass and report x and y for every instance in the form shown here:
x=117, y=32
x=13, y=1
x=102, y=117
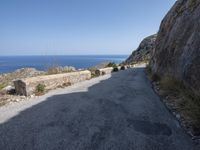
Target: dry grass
x=2, y=86
x=187, y=101
x=58, y=70
x=53, y=70
x=152, y=76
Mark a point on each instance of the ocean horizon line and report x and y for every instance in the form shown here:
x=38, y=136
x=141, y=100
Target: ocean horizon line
x=43, y=62
x=68, y=55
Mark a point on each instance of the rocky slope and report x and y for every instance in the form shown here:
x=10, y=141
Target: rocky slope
x=177, y=51
x=144, y=51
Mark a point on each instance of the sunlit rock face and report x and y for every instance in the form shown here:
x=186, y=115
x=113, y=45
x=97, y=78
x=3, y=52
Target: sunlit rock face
x=144, y=51
x=177, y=50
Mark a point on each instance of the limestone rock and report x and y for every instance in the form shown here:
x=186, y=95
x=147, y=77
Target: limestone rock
x=177, y=51
x=144, y=51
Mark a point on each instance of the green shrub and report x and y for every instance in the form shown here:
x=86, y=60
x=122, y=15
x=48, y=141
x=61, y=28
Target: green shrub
x=123, y=68
x=111, y=64
x=2, y=86
x=40, y=88
x=115, y=69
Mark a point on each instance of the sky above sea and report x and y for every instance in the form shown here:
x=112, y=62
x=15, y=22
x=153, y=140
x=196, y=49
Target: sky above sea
x=77, y=27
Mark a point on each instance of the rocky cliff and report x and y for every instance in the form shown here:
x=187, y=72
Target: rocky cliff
x=144, y=51
x=177, y=51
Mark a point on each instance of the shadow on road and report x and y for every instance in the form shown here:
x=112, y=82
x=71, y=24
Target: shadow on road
x=104, y=117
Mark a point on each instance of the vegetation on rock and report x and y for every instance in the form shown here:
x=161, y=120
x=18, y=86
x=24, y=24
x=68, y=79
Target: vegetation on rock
x=40, y=89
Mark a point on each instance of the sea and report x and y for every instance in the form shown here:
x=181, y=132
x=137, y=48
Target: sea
x=12, y=63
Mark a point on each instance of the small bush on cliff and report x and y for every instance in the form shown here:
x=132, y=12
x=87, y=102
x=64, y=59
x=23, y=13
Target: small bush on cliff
x=40, y=89
x=115, y=69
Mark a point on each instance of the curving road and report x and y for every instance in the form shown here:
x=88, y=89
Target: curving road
x=118, y=112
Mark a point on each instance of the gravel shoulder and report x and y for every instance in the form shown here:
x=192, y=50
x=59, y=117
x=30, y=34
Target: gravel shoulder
x=112, y=112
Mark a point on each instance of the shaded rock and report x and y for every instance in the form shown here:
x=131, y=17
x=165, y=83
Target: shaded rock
x=144, y=51
x=104, y=71
x=177, y=51
x=9, y=89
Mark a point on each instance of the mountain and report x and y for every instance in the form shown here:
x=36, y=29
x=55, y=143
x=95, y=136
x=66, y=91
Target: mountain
x=144, y=51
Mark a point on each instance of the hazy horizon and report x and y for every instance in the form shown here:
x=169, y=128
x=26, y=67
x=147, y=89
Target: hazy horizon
x=67, y=55
x=60, y=27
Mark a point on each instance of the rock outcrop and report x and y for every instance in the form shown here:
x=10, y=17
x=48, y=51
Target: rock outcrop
x=144, y=51
x=177, y=51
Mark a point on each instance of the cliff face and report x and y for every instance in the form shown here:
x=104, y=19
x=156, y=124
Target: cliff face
x=144, y=51
x=177, y=51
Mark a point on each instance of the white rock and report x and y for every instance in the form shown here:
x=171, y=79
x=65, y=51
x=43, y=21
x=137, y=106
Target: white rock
x=31, y=96
x=8, y=88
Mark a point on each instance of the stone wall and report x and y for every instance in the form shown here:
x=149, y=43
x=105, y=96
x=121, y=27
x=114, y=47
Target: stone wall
x=28, y=86
x=104, y=71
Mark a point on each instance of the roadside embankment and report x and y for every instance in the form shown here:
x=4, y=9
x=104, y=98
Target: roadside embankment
x=28, y=86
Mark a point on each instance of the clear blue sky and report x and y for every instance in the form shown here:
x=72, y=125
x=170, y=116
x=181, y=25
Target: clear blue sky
x=57, y=27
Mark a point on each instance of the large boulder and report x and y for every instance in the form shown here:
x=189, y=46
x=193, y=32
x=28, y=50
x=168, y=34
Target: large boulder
x=177, y=52
x=144, y=51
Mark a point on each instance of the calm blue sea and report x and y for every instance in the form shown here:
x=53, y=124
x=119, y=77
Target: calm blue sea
x=11, y=63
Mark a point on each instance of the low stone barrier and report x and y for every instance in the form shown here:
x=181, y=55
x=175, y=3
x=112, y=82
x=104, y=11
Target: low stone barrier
x=104, y=71
x=28, y=86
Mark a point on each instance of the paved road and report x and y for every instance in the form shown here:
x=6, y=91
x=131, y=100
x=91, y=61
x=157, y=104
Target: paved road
x=118, y=112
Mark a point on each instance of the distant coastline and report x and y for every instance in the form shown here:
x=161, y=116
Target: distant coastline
x=43, y=62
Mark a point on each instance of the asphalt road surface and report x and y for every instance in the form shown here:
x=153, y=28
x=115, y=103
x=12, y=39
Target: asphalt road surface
x=112, y=112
